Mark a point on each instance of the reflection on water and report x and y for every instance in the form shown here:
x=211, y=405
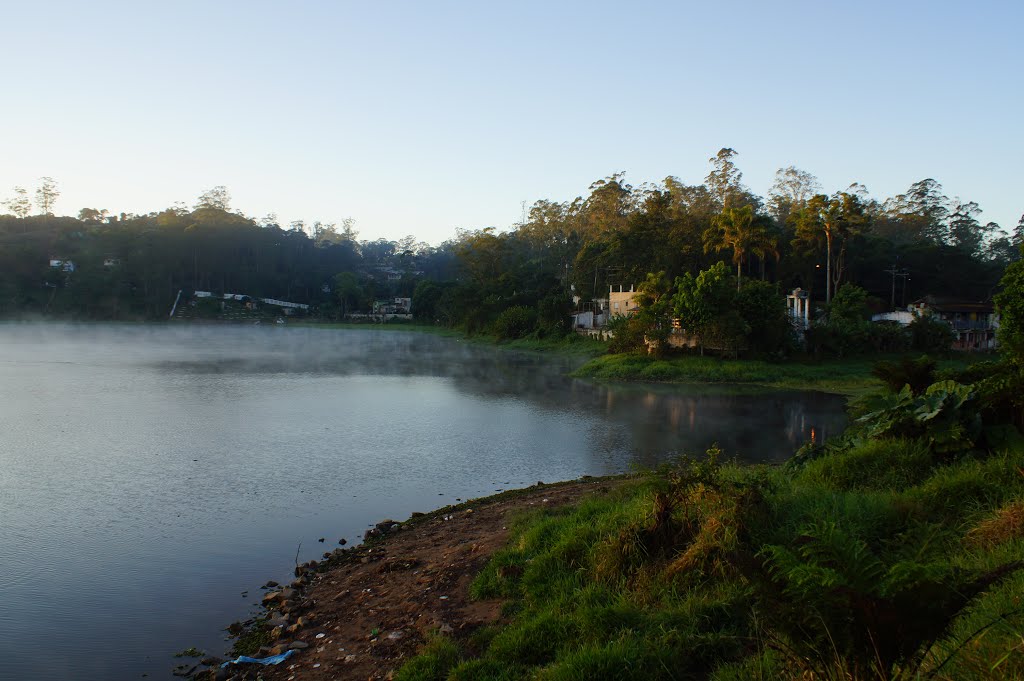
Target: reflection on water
x=151, y=478
x=751, y=424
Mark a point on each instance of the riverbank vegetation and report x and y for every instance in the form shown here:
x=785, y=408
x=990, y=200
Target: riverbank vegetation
x=895, y=551
x=848, y=377
x=884, y=557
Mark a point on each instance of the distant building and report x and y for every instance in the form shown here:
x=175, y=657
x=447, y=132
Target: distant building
x=396, y=306
x=288, y=307
x=798, y=305
x=62, y=264
x=974, y=323
x=621, y=303
x=902, y=317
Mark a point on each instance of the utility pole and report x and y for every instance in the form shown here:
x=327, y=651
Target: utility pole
x=897, y=272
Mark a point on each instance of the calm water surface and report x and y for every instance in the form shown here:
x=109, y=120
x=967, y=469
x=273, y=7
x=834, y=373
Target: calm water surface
x=152, y=478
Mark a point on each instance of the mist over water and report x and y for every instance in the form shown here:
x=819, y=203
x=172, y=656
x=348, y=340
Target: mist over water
x=149, y=476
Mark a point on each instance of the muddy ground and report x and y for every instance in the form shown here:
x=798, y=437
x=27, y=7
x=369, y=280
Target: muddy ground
x=368, y=609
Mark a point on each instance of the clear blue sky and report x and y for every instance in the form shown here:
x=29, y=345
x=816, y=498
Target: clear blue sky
x=421, y=117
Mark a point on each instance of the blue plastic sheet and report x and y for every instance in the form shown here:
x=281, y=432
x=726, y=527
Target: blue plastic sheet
x=273, y=659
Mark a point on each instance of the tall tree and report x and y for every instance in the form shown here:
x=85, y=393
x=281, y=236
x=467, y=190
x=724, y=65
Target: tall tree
x=725, y=181
x=19, y=204
x=965, y=232
x=218, y=197
x=607, y=207
x=743, y=232
x=791, y=191
x=920, y=214
x=92, y=214
x=696, y=200
x=347, y=289
x=705, y=307
x=830, y=221
x=46, y=195
x=1018, y=233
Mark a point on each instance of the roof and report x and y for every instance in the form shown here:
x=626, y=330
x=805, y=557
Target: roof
x=943, y=304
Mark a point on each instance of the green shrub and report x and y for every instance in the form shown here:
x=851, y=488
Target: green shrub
x=515, y=322
x=917, y=373
x=929, y=334
x=946, y=414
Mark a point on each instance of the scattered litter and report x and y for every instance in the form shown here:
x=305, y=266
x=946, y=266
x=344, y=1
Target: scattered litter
x=321, y=635
x=316, y=666
x=273, y=659
x=444, y=598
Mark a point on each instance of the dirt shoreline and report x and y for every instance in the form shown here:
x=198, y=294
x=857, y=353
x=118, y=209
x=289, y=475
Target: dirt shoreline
x=363, y=612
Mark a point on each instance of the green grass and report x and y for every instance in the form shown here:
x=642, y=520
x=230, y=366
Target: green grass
x=729, y=572
x=570, y=344
x=433, y=663
x=844, y=377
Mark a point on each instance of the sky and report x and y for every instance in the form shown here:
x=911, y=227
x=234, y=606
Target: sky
x=426, y=117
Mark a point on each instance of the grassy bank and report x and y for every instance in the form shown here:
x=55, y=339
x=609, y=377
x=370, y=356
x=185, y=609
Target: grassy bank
x=878, y=562
x=845, y=377
x=895, y=551
x=570, y=344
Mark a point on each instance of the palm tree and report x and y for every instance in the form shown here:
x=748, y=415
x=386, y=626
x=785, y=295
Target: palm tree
x=826, y=221
x=741, y=231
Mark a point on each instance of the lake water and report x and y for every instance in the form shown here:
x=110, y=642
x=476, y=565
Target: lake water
x=152, y=478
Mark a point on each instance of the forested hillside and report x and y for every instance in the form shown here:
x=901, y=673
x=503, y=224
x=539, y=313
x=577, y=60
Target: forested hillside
x=132, y=266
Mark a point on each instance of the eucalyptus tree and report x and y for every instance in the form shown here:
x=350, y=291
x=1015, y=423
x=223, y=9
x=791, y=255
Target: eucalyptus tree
x=921, y=214
x=790, y=192
x=1017, y=239
x=607, y=207
x=725, y=181
x=19, y=204
x=218, y=197
x=965, y=232
x=692, y=199
x=92, y=214
x=46, y=195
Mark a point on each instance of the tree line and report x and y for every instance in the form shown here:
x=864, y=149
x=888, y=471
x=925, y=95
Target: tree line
x=132, y=266
x=797, y=236
x=525, y=280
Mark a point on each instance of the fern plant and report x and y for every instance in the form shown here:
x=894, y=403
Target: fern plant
x=840, y=605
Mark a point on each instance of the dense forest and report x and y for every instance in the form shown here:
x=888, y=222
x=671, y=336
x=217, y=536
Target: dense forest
x=130, y=266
